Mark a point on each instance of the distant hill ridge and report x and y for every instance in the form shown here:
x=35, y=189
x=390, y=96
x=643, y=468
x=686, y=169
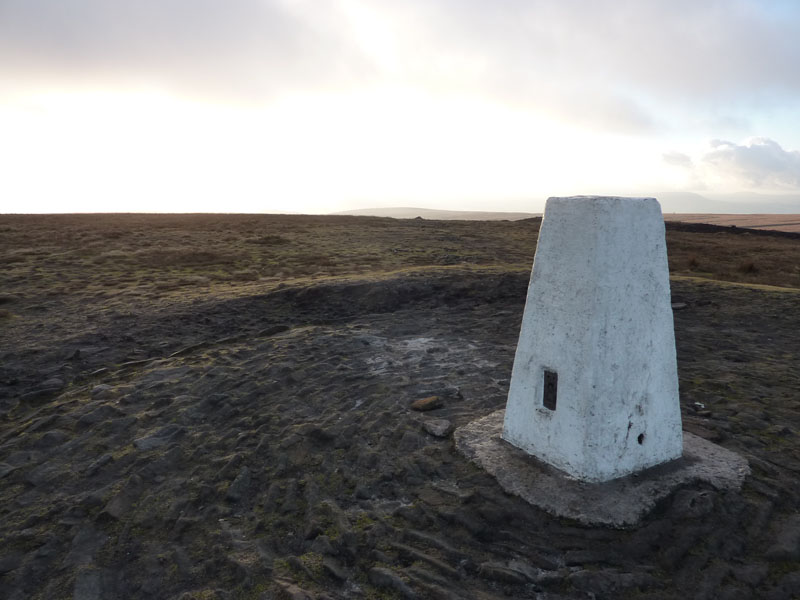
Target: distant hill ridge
x=408, y=212
x=775, y=222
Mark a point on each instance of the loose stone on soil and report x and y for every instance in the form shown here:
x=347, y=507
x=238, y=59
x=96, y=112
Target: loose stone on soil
x=429, y=403
x=438, y=427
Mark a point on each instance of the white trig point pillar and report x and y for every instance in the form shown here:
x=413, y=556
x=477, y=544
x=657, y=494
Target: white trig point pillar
x=594, y=389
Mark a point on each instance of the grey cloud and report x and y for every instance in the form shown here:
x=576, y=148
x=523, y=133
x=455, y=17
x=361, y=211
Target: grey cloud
x=239, y=48
x=606, y=64
x=679, y=48
x=675, y=55
x=761, y=163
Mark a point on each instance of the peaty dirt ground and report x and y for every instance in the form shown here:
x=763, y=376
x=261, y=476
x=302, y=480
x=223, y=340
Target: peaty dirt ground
x=219, y=407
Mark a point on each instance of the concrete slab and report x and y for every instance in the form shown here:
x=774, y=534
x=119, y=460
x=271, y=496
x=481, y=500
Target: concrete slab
x=618, y=503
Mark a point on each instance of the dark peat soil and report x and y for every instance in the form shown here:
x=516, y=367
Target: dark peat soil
x=264, y=447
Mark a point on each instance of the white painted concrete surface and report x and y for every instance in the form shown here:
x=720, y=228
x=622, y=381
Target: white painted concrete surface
x=598, y=314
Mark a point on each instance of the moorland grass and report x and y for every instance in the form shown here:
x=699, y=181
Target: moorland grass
x=163, y=255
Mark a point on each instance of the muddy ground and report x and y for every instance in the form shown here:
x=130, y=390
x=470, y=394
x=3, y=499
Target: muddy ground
x=260, y=444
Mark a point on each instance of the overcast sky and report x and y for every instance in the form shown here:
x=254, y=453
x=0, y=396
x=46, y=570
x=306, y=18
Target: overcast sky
x=324, y=105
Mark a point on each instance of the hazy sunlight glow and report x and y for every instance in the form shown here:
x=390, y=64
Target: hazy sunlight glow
x=300, y=106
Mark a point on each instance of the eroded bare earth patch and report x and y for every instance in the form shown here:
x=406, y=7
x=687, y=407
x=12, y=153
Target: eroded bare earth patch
x=257, y=442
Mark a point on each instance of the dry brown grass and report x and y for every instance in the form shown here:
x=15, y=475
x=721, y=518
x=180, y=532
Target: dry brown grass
x=735, y=257
x=758, y=221
x=126, y=258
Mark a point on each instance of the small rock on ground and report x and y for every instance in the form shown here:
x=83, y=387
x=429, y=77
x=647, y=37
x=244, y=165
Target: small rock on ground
x=438, y=427
x=429, y=403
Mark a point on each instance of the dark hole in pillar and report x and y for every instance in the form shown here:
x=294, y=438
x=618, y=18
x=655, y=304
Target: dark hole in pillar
x=550, y=389
x=640, y=438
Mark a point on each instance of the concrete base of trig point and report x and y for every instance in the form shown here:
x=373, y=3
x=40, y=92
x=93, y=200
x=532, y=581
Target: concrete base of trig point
x=618, y=503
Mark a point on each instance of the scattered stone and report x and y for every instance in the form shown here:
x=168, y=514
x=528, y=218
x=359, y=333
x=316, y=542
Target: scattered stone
x=438, y=427
x=425, y=404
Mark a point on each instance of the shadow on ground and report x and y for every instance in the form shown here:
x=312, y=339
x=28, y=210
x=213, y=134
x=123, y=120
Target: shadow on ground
x=263, y=447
